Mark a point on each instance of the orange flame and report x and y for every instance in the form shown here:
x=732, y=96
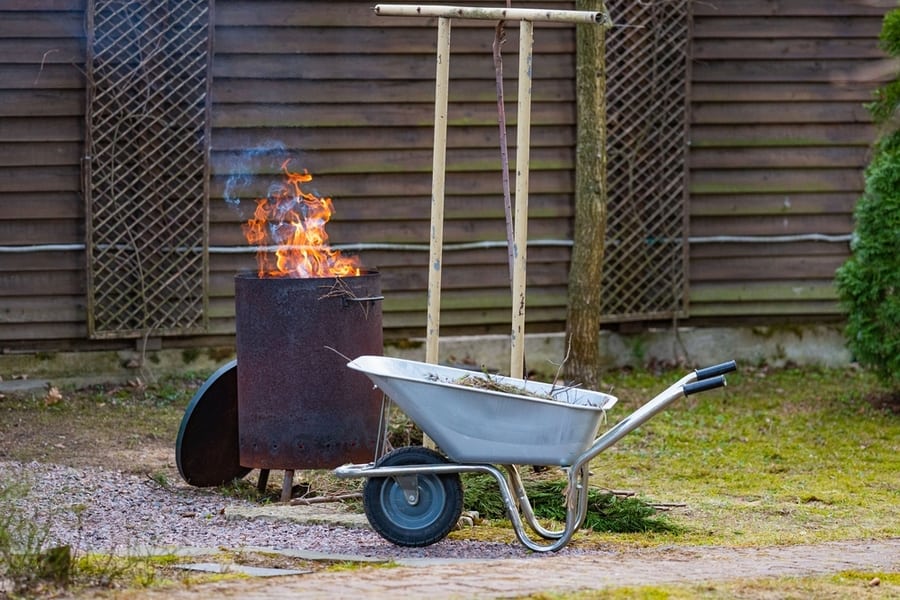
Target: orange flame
x=294, y=221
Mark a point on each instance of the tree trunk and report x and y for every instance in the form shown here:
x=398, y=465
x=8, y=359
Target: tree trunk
x=583, y=314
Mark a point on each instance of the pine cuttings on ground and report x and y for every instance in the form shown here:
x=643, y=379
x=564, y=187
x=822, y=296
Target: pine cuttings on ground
x=606, y=512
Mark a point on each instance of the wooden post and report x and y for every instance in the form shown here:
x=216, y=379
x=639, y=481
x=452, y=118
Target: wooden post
x=520, y=222
x=439, y=160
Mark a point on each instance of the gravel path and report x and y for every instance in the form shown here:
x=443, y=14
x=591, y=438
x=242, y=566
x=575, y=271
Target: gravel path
x=103, y=510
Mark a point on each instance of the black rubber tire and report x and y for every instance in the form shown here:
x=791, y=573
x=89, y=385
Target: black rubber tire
x=431, y=518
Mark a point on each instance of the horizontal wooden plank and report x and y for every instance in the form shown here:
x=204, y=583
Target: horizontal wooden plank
x=403, y=324
x=414, y=232
x=41, y=205
x=774, y=135
x=419, y=161
x=771, y=204
x=780, y=92
x=26, y=332
x=778, y=158
x=401, y=296
x=41, y=77
x=228, y=264
x=759, y=249
x=537, y=254
x=52, y=309
x=381, y=66
x=42, y=283
x=43, y=24
x=379, y=115
x=44, y=129
x=779, y=112
x=474, y=277
x=768, y=268
x=40, y=179
x=41, y=5
x=45, y=103
x=777, y=70
x=751, y=181
x=401, y=209
x=762, y=291
x=22, y=232
x=46, y=261
x=810, y=308
x=42, y=51
x=353, y=39
x=824, y=8
x=48, y=154
x=772, y=225
x=458, y=308
x=247, y=146
x=231, y=90
x=374, y=184
x=791, y=28
x=785, y=49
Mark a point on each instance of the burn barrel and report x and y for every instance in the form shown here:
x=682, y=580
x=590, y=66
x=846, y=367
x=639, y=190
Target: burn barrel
x=299, y=406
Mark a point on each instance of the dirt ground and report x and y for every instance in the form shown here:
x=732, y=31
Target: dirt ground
x=121, y=427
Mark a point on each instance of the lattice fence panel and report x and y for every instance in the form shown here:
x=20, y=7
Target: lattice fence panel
x=146, y=167
x=647, y=81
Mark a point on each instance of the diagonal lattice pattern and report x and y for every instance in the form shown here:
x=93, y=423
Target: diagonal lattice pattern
x=146, y=167
x=647, y=61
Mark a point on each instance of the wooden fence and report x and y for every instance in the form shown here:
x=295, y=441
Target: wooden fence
x=777, y=133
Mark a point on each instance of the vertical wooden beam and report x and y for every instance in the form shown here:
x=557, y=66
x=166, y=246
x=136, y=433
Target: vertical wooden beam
x=523, y=145
x=439, y=161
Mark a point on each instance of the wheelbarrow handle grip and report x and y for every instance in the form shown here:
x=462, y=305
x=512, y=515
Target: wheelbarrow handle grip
x=720, y=369
x=710, y=383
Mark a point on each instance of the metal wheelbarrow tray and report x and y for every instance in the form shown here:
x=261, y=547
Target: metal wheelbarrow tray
x=413, y=495
x=485, y=425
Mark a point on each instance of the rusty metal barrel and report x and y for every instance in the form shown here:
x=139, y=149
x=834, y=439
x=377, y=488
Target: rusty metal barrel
x=299, y=406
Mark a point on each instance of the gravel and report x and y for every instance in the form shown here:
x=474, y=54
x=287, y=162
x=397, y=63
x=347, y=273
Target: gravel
x=95, y=509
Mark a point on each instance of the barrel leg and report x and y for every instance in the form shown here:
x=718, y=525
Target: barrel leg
x=286, y=486
x=263, y=481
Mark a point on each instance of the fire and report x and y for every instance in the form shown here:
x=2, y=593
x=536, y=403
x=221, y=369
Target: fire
x=294, y=221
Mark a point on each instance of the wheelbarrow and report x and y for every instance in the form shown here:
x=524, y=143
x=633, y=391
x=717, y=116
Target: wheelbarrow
x=413, y=495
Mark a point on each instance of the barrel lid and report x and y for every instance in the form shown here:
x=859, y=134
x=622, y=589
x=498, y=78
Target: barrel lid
x=207, y=448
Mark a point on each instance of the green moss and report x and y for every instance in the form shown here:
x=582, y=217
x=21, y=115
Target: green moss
x=189, y=355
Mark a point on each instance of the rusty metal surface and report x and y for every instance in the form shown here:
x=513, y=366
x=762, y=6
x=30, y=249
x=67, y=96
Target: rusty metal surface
x=300, y=407
x=206, y=449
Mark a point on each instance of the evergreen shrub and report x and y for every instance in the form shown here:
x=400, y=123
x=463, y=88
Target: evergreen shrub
x=868, y=283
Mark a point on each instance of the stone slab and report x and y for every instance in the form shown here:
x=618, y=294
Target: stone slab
x=209, y=567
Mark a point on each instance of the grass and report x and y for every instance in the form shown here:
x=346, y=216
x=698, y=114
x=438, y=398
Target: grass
x=777, y=457
x=31, y=565
x=783, y=456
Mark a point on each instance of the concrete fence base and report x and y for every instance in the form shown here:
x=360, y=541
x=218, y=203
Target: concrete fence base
x=807, y=345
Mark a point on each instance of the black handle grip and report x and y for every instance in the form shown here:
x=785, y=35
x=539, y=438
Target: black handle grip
x=720, y=369
x=710, y=383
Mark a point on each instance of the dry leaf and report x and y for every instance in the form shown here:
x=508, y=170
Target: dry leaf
x=54, y=396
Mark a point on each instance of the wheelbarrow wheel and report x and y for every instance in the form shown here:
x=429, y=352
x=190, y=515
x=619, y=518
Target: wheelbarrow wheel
x=424, y=521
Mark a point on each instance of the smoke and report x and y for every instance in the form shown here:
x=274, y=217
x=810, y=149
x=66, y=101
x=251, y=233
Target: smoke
x=243, y=168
